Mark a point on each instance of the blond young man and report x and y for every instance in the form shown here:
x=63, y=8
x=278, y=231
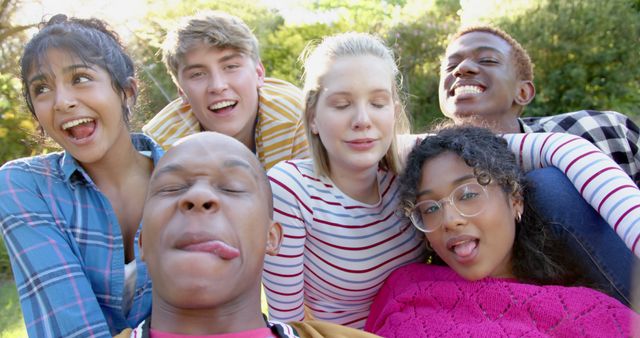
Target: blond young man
x=213, y=58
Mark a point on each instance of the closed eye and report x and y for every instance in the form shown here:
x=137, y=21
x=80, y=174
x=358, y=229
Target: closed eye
x=488, y=61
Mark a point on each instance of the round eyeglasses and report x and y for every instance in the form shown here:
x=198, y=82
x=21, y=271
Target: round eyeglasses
x=468, y=199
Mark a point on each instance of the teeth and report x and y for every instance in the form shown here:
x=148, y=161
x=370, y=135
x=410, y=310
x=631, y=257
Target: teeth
x=221, y=104
x=468, y=90
x=74, y=123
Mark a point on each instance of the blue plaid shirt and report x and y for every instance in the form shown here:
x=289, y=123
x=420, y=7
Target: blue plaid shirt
x=66, y=249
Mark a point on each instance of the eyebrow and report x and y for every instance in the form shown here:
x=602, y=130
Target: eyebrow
x=68, y=69
x=456, y=181
x=180, y=169
x=373, y=92
x=475, y=50
x=222, y=59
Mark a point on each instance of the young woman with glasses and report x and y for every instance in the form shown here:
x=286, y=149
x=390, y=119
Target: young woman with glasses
x=496, y=268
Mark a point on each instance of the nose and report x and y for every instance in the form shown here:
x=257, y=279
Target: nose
x=64, y=100
x=451, y=218
x=361, y=119
x=200, y=198
x=217, y=83
x=466, y=67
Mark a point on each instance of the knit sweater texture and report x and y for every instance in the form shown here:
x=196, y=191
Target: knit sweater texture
x=421, y=300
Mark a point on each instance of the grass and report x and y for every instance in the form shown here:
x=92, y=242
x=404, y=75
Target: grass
x=11, y=323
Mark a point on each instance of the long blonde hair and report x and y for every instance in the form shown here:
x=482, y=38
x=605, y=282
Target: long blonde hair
x=317, y=64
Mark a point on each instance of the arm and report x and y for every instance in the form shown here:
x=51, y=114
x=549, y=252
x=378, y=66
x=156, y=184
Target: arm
x=56, y=296
x=599, y=179
x=283, y=276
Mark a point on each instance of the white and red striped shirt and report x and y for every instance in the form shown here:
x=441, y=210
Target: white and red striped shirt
x=336, y=251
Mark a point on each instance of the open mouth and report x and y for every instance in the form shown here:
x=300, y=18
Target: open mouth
x=222, y=106
x=80, y=129
x=466, y=89
x=464, y=248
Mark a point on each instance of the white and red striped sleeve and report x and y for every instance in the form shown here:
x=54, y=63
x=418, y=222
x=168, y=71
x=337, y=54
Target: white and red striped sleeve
x=283, y=277
x=600, y=180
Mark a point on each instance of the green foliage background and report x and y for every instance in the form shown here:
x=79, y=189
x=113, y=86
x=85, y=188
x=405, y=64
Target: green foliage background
x=586, y=53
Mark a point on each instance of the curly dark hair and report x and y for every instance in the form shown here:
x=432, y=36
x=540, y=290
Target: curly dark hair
x=537, y=253
x=92, y=41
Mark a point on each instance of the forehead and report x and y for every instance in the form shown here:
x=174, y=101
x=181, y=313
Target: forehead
x=444, y=169
x=210, y=152
x=361, y=72
x=54, y=59
x=476, y=41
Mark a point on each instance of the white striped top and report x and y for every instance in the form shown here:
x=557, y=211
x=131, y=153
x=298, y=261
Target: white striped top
x=337, y=251
x=279, y=133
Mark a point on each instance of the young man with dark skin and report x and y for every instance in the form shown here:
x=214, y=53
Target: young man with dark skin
x=207, y=225
x=486, y=79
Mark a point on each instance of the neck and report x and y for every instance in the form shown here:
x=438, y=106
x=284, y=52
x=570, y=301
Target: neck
x=362, y=186
x=501, y=124
x=119, y=164
x=190, y=319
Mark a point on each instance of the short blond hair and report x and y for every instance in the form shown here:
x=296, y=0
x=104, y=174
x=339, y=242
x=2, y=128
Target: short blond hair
x=316, y=66
x=211, y=29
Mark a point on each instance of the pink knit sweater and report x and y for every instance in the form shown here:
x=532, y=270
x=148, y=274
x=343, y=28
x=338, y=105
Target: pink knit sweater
x=420, y=300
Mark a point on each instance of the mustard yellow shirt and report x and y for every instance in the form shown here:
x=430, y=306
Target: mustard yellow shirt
x=279, y=133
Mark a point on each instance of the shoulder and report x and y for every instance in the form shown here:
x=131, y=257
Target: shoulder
x=317, y=328
x=146, y=145
x=299, y=168
x=173, y=122
x=580, y=121
x=281, y=101
x=29, y=168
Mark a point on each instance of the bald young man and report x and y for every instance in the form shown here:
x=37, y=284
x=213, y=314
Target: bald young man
x=207, y=225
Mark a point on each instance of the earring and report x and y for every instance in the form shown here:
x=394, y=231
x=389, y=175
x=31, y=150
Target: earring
x=518, y=217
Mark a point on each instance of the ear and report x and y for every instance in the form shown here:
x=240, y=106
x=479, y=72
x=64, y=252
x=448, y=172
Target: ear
x=140, y=246
x=517, y=205
x=312, y=121
x=526, y=92
x=185, y=99
x=132, y=90
x=260, y=71
x=274, y=238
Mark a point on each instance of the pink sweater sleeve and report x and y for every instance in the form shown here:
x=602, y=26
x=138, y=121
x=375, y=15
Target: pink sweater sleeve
x=600, y=180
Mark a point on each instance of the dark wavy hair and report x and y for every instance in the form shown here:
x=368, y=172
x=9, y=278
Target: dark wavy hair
x=92, y=41
x=537, y=254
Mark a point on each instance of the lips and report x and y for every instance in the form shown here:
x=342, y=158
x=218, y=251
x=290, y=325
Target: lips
x=362, y=143
x=206, y=243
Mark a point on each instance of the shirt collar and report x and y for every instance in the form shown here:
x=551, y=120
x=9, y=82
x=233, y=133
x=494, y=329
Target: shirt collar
x=524, y=128
x=141, y=142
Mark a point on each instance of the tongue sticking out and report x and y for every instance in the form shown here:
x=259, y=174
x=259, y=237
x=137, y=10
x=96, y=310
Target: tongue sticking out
x=82, y=130
x=218, y=248
x=465, y=249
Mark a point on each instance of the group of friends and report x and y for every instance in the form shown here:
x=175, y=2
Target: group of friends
x=321, y=197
